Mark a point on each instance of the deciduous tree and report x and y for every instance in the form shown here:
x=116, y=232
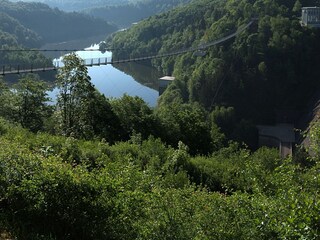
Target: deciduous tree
x=75, y=94
x=32, y=102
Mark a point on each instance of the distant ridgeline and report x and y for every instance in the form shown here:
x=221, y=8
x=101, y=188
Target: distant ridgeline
x=125, y=14
x=267, y=70
x=30, y=25
x=78, y=5
x=13, y=35
x=54, y=25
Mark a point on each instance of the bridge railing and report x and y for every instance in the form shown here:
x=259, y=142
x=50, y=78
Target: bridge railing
x=17, y=69
x=87, y=62
x=57, y=63
x=96, y=61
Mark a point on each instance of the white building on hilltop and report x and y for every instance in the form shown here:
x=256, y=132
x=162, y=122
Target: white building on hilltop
x=310, y=17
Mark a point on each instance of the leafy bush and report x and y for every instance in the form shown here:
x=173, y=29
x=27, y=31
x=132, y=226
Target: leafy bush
x=62, y=188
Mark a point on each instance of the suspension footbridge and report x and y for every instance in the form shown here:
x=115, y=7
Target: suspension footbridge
x=105, y=61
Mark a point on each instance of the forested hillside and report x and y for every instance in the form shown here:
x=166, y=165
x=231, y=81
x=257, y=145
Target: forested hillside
x=64, y=187
x=54, y=25
x=125, y=15
x=13, y=35
x=269, y=68
x=89, y=167
x=30, y=25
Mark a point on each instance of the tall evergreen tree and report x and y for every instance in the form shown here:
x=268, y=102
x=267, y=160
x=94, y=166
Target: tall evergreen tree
x=75, y=94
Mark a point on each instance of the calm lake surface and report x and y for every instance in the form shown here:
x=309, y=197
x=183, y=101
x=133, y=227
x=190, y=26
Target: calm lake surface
x=133, y=79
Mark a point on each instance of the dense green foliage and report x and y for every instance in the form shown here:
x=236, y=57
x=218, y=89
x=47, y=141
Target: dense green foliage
x=125, y=15
x=30, y=25
x=94, y=168
x=75, y=94
x=269, y=67
x=13, y=35
x=63, y=26
x=26, y=102
x=82, y=112
x=62, y=188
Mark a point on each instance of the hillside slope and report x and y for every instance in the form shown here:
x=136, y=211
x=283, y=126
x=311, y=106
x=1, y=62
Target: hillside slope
x=63, y=188
x=54, y=25
x=126, y=14
x=16, y=33
x=268, y=69
x=13, y=35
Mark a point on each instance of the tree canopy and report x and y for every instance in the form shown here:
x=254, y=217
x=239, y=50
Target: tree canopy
x=268, y=67
x=66, y=188
x=123, y=15
x=63, y=26
x=89, y=167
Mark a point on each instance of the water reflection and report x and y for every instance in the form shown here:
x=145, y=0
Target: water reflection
x=127, y=78
x=142, y=73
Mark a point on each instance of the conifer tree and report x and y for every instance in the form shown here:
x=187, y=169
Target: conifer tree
x=74, y=97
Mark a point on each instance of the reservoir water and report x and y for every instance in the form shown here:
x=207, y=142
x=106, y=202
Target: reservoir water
x=127, y=78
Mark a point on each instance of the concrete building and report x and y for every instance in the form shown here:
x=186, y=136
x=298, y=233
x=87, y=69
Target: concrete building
x=310, y=17
x=164, y=82
x=280, y=136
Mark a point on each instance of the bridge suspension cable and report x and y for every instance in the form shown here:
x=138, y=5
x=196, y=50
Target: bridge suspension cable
x=193, y=49
x=55, y=50
x=105, y=61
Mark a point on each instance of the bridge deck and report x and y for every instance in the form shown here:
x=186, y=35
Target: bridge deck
x=104, y=61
